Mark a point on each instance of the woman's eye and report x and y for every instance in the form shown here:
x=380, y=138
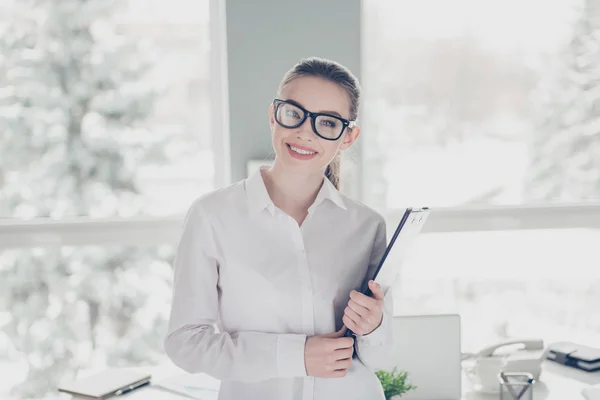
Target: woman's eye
x=292, y=113
x=329, y=123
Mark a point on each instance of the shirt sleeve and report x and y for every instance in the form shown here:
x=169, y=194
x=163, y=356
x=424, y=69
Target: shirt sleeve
x=193, y=343
x=375, y=349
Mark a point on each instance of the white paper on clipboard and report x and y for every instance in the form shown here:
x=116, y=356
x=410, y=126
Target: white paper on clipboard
x=401, y=244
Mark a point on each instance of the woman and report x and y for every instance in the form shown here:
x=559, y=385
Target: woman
x=266, y=268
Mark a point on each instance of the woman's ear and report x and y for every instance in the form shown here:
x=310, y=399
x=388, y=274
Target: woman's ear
x=350, y=137
x=271, y=116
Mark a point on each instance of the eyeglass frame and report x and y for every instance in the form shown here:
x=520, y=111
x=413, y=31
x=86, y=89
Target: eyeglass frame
x=313, y=116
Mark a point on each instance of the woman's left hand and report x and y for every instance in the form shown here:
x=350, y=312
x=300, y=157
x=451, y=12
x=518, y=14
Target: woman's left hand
x=364, y=314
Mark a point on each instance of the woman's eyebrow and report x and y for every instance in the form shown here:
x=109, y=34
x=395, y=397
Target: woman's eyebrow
x=319, y=112
x=331, y=112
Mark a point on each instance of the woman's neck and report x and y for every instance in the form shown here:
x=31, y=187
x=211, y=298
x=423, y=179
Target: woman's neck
x=292, y=193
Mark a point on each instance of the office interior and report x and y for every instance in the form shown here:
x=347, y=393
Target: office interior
x=115, y=116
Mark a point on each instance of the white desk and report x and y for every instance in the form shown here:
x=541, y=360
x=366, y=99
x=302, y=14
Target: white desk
x=556, y=383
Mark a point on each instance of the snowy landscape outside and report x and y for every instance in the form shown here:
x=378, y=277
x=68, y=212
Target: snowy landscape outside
x=105, y=112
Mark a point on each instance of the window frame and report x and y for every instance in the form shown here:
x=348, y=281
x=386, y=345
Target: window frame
x=219, y=93
x=166, y=230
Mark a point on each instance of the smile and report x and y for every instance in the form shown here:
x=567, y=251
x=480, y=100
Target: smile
x=300, y=151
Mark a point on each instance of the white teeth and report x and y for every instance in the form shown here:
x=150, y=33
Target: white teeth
x=300, y=151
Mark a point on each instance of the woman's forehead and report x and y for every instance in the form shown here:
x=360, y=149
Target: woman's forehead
x=317, y=95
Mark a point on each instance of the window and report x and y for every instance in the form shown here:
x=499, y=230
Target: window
x=506, y=284
x=470, y=102
x=491, y=106
x=69, y=309
x=104, y=113
x=97, y=113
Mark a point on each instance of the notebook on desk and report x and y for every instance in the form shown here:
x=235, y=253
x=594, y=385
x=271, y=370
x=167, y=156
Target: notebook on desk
x=575, y=355
x=113, y=382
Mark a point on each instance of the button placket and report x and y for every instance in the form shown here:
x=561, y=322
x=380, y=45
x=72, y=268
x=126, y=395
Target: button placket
x=308, y=318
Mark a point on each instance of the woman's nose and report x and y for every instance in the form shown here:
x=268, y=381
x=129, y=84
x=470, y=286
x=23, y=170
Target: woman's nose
x=304, y=131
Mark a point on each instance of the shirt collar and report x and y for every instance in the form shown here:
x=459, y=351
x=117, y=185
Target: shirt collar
x=259, y=199
x=328, y=191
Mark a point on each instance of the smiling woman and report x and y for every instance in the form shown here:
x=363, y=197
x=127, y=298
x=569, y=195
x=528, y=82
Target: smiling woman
x=273, y=261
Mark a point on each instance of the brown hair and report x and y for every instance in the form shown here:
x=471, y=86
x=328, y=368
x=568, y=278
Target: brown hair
x=336, y=73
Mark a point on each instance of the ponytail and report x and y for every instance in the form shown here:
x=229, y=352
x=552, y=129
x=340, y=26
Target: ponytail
x=333, y=171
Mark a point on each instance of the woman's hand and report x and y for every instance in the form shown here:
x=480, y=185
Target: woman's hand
x=364, y=314
x=328, y=356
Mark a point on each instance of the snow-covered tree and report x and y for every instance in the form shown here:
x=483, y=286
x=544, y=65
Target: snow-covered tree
x=565, y=148
x=74, y=97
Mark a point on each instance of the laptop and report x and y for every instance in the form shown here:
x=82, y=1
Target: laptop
x=428, y=348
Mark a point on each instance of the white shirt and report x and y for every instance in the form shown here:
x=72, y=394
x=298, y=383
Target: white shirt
x=251, y=285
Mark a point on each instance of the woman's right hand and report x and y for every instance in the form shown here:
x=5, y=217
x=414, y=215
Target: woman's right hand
x=328, y=356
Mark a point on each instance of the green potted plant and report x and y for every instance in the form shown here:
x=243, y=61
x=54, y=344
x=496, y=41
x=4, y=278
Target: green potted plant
x=394, y=383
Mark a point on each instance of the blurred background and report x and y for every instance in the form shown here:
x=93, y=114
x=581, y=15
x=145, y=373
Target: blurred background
x=116, y=115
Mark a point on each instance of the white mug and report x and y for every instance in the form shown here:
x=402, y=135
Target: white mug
x=483, y=372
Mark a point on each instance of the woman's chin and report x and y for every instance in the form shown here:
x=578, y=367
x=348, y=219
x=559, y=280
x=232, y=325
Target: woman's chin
x=301, y=167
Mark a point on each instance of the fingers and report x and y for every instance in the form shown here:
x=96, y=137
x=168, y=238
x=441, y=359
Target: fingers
x=337, y=334
x=361, y=325
x=329, y=356
x=341, y=332
x=342, y=354
x=358, y=309
x=353, y=315
x=336, y=354
x=339, y=368
x=350, y=323
x=341, y=343
x=363, y=300
x=376, y=290
x=342, y=364
x=337, y=374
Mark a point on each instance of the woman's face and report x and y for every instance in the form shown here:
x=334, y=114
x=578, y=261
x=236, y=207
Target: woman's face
x=300, y=149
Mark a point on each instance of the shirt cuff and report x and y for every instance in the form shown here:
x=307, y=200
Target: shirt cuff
x=376, y=338
x=290, y=355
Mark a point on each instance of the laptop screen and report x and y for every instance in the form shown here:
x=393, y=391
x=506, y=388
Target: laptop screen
x=428, y=348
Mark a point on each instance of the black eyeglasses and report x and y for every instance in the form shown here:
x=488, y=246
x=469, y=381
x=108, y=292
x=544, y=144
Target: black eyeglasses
x=326, y=126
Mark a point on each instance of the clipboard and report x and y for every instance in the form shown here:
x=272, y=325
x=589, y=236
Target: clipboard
x=408, y=228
